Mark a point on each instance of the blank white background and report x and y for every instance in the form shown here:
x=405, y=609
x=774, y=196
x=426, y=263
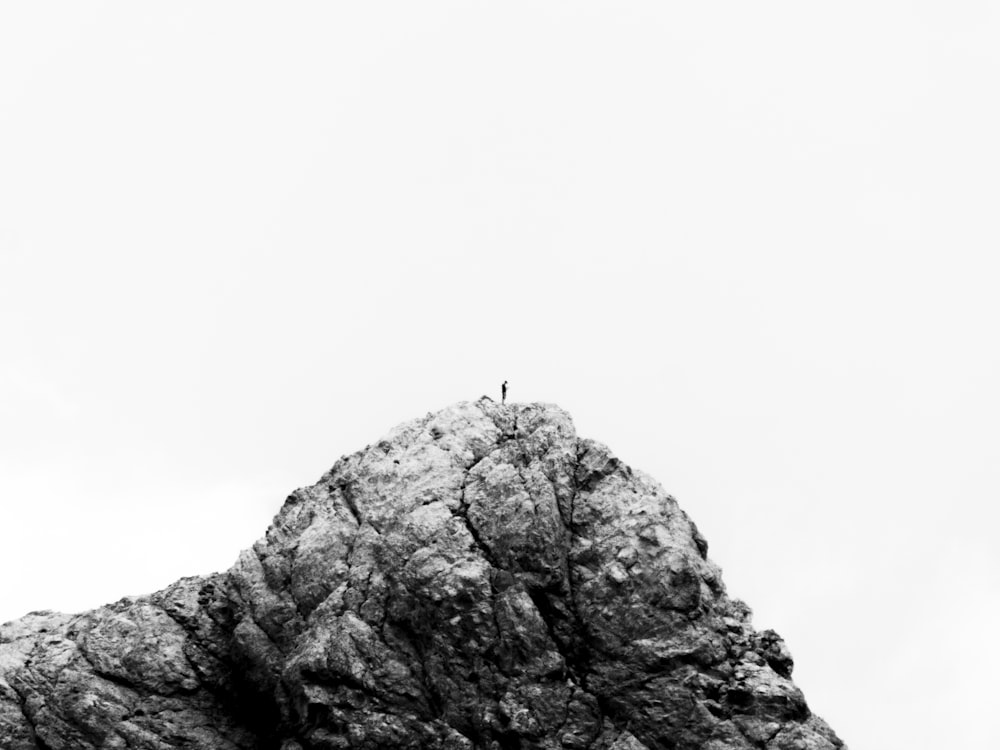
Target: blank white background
x=750, y=246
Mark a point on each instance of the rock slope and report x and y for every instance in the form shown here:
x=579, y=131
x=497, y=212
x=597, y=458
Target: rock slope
x=480, y=578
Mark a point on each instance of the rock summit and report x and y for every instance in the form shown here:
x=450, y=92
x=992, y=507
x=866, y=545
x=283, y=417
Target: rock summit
x=479, y=578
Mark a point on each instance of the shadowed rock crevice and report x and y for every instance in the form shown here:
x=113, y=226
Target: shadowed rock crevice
x=30, y=733
x=480, y=577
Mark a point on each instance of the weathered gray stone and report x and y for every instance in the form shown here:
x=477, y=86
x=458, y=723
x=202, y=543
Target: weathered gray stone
x=480, y=578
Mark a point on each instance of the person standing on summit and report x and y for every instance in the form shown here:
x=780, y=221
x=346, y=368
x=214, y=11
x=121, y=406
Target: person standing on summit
x=503, y=393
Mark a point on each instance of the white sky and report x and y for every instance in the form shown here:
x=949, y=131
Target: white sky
x=750, y=246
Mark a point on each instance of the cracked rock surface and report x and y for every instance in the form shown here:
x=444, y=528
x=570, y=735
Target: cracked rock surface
x=479, y=578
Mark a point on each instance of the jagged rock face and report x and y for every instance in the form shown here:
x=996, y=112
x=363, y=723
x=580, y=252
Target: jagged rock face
x=480, y=578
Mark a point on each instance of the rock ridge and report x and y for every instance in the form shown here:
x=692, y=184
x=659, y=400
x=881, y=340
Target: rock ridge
x=481, y=577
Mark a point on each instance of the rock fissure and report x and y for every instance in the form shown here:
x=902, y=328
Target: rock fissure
x=571, y=600
x=118, y=680
x=29, y=719
x=463, y=513
x=349, y=502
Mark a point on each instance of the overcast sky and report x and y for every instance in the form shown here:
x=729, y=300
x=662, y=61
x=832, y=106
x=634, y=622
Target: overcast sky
x=753, y=247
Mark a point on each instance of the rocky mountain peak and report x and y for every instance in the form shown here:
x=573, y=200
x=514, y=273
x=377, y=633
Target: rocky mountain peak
x=479, y=578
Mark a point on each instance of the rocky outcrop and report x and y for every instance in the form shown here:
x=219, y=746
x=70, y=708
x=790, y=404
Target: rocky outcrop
x=480, y=578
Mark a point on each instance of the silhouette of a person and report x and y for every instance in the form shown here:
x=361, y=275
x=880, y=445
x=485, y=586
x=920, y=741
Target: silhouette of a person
x=503, y=393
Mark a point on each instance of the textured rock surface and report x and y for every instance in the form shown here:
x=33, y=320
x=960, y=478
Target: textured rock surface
x=480, y=578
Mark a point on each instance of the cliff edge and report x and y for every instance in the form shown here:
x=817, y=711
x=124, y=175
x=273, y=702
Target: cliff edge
x=479, y=578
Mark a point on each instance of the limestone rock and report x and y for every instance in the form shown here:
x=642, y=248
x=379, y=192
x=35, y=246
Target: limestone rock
x=479, y=578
